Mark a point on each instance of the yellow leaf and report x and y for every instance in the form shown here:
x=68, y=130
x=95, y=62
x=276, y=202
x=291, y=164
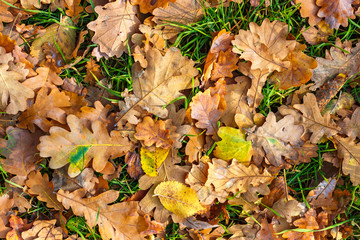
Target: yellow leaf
x=233, y=145
x=151, y=161
x=178, y=198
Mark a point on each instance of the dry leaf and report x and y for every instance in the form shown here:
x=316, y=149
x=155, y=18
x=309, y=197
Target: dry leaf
x=19, y=151
x=236, y=177
x=352, y=126
x=5, y=205
x=93, y=72
x=312, y=119
x=181, y=12
x=265, y=46
x=80, y=145
x=75, y=9
x=115, y=23
x=134, y=168
x=178, y=198
x=205, y=109
x=194, y=147
x=345, y=101
x=147, y=6
x=43, y=189
x=277, y=139
x=46, y=77
x=336, y=12
x=317, y=34
x=162, y=80
x=47, y=111
x=287, y=208
x=308, y=8
x=117, y=221
x=43, y=229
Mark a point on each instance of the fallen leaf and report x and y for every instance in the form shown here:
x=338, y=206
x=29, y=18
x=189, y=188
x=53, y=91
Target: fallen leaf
x=336, y=12
x=5, y=205
x=194, y=147
x=60, y=36
x=287, y=208
x=42, y=188
x=349, y=151
x=19, y=151
x=43, y=229
x=235, y=177
x=340, y=63
x=74, y=9
x=13, y=93
x=80, y=145
x=233, y=145
x=277, y=139
x=312, y=119
x=162, y=80
x=181, y=12
x=317, y=34
x=115, y=23
x=16, y=223
x=154, y=133
x=178, y=198
x=345, y=101
x=148, y=7
x=352, y=126
x=93, y=72
x=47, y=111
x=265, y=46
x=267, y=231
x=308, y=8
x=278, y=190
x=116, y=221
x=151, y=161
x=46, y=77
x=205, y=109
x=134, y=168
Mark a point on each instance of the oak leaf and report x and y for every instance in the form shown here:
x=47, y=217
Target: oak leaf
x=5, y=205
x=154, y=133
x=181, y=12
x=16, y=223
x=220, y=61
x=194, y=146
x=93, y=72
x=46, y=77
x=235, y=177
x=80, y=145
x=335, y=12
x=276, y=139
x=349, y=151
x=149, y=6
x=19, y=151
x=117, y=221
x=197, y=178
x=352, y=126
x=338, y=63
x=205, y=109
x=312, y=119
x=299, y=71
x=258, y=79
x=178, y=198
x=265, y=46
x=287, y=208
x=44, y=229
x=134, y=168
x=233, y=145
x=41, y=187
x=151, y=161
x=74, y=9
x=13, y=93
x=278, y=190
x=308, y=8
x=317, y=34
x=115, y=23
x=47, y=111
x=162, y=80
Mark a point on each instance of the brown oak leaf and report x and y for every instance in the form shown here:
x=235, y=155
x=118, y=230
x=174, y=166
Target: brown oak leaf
x=5, y=205
x=46, y=77
x=308, y=8
x=265, y=46
x=147, y=6
x=43, y=189
x=44, y=229
x=276, y=139
x=205, y=109
x=115, y=23
x=352, y=126
x=47, y=111
x=336, y=12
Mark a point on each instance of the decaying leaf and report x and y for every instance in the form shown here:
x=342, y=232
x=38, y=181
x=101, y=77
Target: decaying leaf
x=151, y=161
x=235, y=177
x=117, y=221
x=345, y=101
x=352, y=126
x=277, y=139
x=41, y=187
x=335, y=12
x=233, y=145
x=149, y=6
x=115, y=23
x=81, y=145
x=134, y=168
x=16, y=223
x=178, y=198
x=317, y=34
x=5, y=205
x=46, y=77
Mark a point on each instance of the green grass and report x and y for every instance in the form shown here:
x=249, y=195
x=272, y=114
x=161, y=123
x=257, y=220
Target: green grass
x=195, y=42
